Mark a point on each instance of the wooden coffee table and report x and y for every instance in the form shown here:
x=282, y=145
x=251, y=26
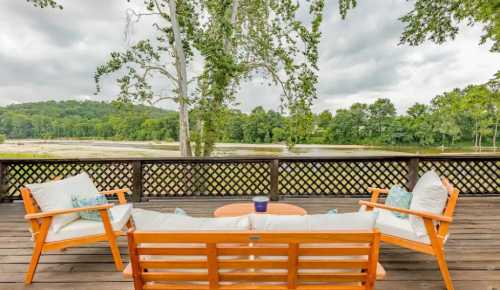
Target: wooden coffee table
x=243, y=208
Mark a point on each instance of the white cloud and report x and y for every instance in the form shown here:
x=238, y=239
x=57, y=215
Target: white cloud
x=52, y=54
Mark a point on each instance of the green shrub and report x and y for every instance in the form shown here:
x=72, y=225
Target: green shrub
x=2, y=138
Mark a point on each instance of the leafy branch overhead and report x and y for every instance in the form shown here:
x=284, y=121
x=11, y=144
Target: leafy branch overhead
x=45, y=3
x=439, y=21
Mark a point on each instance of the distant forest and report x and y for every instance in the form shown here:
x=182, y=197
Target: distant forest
x=464, y=117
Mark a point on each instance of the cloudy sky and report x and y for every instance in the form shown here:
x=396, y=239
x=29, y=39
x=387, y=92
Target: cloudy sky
x=52, y=54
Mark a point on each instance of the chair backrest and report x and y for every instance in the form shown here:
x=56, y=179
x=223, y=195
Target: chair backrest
x=245, y=260
x=450, y=206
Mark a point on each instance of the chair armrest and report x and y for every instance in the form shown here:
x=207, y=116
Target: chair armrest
x=120, y=192
x=421, y=214
x=380, y=190
x=375, y=192
x=66, y=211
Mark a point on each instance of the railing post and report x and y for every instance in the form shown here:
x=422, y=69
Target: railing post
x=274, y=195
x=3, y=181
x=412, y=172
x=136, y=181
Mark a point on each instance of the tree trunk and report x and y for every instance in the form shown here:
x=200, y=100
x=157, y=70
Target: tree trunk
x=211, y=130
x=180, y=65
x=495, y=136
x=476, y=137
x=442, y=142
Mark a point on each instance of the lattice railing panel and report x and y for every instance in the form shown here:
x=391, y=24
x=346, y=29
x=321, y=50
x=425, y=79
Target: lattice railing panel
x=106, y=175
x=215, y=178
x=339, y=177
x=469, y=176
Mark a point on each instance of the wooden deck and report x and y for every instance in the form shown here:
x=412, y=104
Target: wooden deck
x=473, y=250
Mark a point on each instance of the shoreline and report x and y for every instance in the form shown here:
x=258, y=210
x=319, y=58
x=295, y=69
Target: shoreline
x=64, y=148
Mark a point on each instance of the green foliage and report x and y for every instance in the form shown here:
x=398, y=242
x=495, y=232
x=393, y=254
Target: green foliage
x=244, y=38
x=45, y=3
x=439, y=21
x=468, y=115
x=72, y=119
x=2, y=138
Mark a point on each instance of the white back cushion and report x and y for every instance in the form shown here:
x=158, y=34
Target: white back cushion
x=57, y=194
x=430, y=195
x=318, y=222
x=147, y=220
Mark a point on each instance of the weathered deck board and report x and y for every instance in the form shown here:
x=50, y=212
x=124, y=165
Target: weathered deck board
x=473, y=250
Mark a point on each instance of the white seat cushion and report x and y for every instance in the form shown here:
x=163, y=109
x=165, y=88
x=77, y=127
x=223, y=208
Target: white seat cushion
x=82, y=228
x=316, y=222
x=147, y=220
x=57, y=194
x=391, y=225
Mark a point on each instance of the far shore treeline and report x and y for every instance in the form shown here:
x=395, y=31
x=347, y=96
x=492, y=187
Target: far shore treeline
x=467, y=117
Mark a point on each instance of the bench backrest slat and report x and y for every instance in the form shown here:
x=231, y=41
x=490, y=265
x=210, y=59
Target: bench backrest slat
x=249, y=260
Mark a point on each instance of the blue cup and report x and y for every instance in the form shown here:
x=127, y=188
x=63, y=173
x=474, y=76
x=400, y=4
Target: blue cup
x=260, y=203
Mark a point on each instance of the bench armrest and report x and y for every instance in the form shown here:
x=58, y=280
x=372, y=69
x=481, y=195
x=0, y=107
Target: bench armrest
x=66, y=211
x=421, y=214
x=120, y=192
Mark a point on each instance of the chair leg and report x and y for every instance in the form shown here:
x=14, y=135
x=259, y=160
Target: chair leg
x=437, y=245
x=115, y=251
x=443, y=266
x=37, y=249
x=35, y=258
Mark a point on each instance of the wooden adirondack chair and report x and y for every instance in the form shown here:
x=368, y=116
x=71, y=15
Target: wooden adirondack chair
x=40, y=225
x=252, y=260
x=437, y=227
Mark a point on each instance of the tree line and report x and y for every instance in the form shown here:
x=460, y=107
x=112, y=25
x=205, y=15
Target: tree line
x=468, y=116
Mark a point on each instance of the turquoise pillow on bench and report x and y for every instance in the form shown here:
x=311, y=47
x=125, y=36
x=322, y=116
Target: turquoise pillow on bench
x=92, y=215
x=399, y=197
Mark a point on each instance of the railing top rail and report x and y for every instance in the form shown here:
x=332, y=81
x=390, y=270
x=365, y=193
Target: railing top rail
x=493, y=156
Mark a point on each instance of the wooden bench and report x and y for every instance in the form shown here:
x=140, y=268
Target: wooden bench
x=254, y=260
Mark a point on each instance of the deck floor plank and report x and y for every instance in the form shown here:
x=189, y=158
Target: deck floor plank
x=473, y=250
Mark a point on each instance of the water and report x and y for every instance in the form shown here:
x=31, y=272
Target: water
x=124, y=149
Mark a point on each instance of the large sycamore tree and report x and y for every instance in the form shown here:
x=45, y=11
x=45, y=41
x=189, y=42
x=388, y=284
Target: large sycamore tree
x=236, y=39
x=164, y=58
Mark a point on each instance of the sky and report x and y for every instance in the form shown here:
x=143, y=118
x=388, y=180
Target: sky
x=52, y=54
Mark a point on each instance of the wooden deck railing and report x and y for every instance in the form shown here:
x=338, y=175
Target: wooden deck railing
x=273, y=176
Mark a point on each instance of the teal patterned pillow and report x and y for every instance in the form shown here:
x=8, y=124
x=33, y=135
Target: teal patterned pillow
x=92, y=215
x=398, y=197
x=180, y=211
